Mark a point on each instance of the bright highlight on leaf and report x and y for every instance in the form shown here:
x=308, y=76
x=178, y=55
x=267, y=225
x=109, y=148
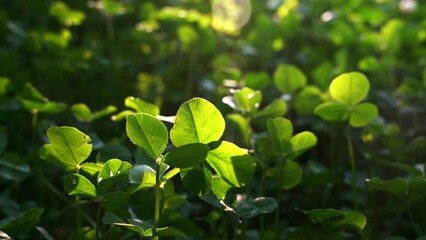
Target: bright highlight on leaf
x=350, y=88
x=197, y=121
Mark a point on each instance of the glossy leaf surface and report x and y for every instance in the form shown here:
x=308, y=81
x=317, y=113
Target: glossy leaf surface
x=186, y=156
x=78, y=185
x=111, y=172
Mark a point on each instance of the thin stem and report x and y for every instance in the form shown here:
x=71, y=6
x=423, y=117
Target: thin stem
x=157, y=201
x=279, y=192
x=98, y=220
x=224, y=227
x=353, y=167
x=77, y=207
x=261, y=193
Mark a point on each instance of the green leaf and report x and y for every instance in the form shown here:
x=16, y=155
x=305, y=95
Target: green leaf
x=257, y=80
x=110, y=109
x=5, y=85
x=121, y=115
x=24, y=222
x=362, y=114
x=197, y=121
x=141, y=177
x=12, y=168
x=66, y=16
x=280, y=130
x=85, y=233
x=351, y=220
x=68, y=148
x=417, y=189
x=141, y=106
x=220, y=187
x=111, y=172
x=289, y=78
x=300, y=143
x=332, y=111
x=247, y=100
x=350, y=88
x=91, y=168
x=170, y=174
x=257, y=206
x=396, y=186
x=276, y=108
x=78, y=185
x=4, y=138
x=197, y=181
x=147, y=132
x=114, y=151
x=82, y=112
x=186, y=156
x=116, y=202
x=32, y=100
x=242, y=125
x=325, y=216
x=290, y=172
x=231, y=163
x=307, y=100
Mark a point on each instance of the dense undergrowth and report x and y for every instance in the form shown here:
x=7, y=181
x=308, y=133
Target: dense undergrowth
x=174, y=120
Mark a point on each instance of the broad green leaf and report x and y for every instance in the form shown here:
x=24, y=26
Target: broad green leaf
x=91, y=168
x=141, y=106
x=111, y=218
x=280, y=130
x=289, y=78
x=220, y=187
x=289, y=172
x=111, y=172
x=24, y=222
x=85, y=233
x=197, y=121
x=332, y=111
x=82, y=112
x=231, y=163
x=4, y=138
x=247, y=100
x=337, y=219
x=242, y=125
x=350, y=88
x=300, y=143
x=186, y=156
x=276, y=108
x=396, y=186
x=141, y=177
x=78, y=185
x=362, y=114
x=68, y=148
x=351, y=220
x=197, y=180
x=147, y=132
x=257, y=206
x=307, y=99
x=12, y=168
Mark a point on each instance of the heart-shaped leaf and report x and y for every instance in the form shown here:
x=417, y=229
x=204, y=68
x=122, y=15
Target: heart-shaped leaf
x=351, y=220
x=289, y=78
x=78, y=185
x=231, y=163
x=197, y=121
x=247, y=100
x=186, y=156
x=332, y=111
x=91, y=168
x=350, y=88
x=362, y=114
x=147, y=132
x=256, y=207
x=141, y=177
x=68, y=148
x=111, y=172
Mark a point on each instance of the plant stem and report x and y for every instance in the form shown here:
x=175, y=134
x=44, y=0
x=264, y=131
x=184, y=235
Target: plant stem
x=277, y=212
x=224, y=227
x=261, y=193
x=157, y=201
x=77, y=207
x=98, y=220
x=353, y=167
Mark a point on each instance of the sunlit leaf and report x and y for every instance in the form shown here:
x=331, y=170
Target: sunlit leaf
x=78, y=185
x=300, y=143
x=147, y=132
x=141, y=177
x=276, y=108
x=332, y=111
x=111, y=172
x=86, y=233
x=68, y=148
x=231, y=163
x=257, y=80
x=82, y=112
x=220, y=187
x=247, y=100
x=289, y=172
x=197, y=121
x=243, y=126
x=186, y=156
x=350, y=88
x=280, y=130
x=362, y=114
x=141, y=106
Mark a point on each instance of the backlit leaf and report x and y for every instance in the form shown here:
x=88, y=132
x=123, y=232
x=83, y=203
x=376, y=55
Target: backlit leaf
x=186, y=156
x=276, y=108
x=141, y=177
x=111, y=172
x=350, y=88
x=280, y=130
x=247, y=100
x=362, y=114
x=197, y=121
x=141, y=106
x=197, y=180
x=332, y=111
x=78, y=185
x=289, y=78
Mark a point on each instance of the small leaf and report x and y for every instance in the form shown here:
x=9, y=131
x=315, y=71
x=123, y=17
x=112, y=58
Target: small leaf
x=257, y=80
x=91, y=168
x=186, y=156
x=350, y=88
x=307, y=100
x=141, y=106
x=332, y=111
x=243, y=126
x=79, y=185
x=247, y=100
x=32, y=100
x=351, y=220
x=301, y=143
x=396, y=186
x=220, y=187
x=197, y=121
x=256, y=207
x=82, y=112
x=231, y=163
x=111, y=172
x=147, y=132
x=141, y=177
x=289, y=78
x=276, y=108
x=280, y=130
x=68, y=148
x=362, y=114
x=85, y=233
x=197, y=181
x=24, y=222
x=290, y=172
x=110, y=109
